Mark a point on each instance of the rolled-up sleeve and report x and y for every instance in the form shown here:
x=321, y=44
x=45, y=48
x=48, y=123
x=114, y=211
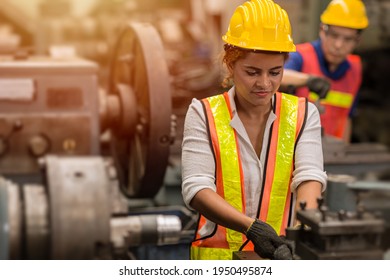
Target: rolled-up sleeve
x=309, y=163
x=198, y=164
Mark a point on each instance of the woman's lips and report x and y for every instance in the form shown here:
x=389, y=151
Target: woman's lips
x=260, y=93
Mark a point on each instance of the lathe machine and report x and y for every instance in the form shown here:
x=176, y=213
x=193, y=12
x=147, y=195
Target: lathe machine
x=73, y=154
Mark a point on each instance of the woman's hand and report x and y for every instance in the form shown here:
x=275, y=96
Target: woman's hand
x=267, y=242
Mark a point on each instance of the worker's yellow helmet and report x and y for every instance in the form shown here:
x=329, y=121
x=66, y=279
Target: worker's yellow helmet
x=260, y=25
x=345, y=13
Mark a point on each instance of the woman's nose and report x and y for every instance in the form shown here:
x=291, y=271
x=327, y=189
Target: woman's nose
x=263, y=81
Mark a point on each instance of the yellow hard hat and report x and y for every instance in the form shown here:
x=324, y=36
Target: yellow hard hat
x=345, y=13
x=260, y=25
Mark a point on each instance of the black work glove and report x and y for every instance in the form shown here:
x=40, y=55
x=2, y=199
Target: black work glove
x=319, y=85
x=283, y=252
x=267, y=242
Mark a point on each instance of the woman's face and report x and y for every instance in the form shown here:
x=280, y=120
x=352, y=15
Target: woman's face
x=257, y=77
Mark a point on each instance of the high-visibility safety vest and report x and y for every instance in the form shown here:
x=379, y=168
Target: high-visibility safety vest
x=275, y=201
x=339, y=99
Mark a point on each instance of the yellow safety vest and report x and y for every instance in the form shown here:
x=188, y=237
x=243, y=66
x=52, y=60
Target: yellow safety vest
x=274, y=205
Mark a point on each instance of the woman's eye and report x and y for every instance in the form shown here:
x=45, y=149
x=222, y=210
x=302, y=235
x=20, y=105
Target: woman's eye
x=251, y=73
x=275, y=73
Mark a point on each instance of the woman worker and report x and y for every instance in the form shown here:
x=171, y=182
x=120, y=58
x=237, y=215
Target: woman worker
x=251, y=154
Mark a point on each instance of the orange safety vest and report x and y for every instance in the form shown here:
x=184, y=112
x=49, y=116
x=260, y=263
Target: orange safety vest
x=275, y=201
x=339, y=99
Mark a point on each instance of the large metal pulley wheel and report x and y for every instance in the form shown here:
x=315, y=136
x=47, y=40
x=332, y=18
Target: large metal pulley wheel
x=141, y=139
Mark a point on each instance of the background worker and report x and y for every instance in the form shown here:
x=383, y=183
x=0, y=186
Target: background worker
x=251, y=154
x=328, y=68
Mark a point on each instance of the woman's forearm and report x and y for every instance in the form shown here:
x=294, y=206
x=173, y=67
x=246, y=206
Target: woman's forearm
x=217, y=210
x=308, y=192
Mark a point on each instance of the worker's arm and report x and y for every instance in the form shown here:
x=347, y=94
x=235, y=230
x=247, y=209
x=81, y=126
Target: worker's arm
x=308, y=192
x=216, y=209
x=294, y=78
x=266, y=241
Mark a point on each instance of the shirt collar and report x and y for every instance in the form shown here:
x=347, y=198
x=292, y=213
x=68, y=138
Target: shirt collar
x=238, y=125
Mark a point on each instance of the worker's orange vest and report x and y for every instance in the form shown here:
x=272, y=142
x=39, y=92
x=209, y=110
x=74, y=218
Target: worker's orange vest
x=340, y=98
x=275, y=201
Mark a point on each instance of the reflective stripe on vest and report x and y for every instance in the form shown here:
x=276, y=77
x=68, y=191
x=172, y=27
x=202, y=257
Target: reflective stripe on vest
x=230, y=184
x=210, y=253
x=228, y=179
x=229, y=175
x=334, y=98
x=276, y=191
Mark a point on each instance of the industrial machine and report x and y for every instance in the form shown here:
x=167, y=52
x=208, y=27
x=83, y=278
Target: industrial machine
x=326, y=234
x=362, y=160
x=73, y=155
